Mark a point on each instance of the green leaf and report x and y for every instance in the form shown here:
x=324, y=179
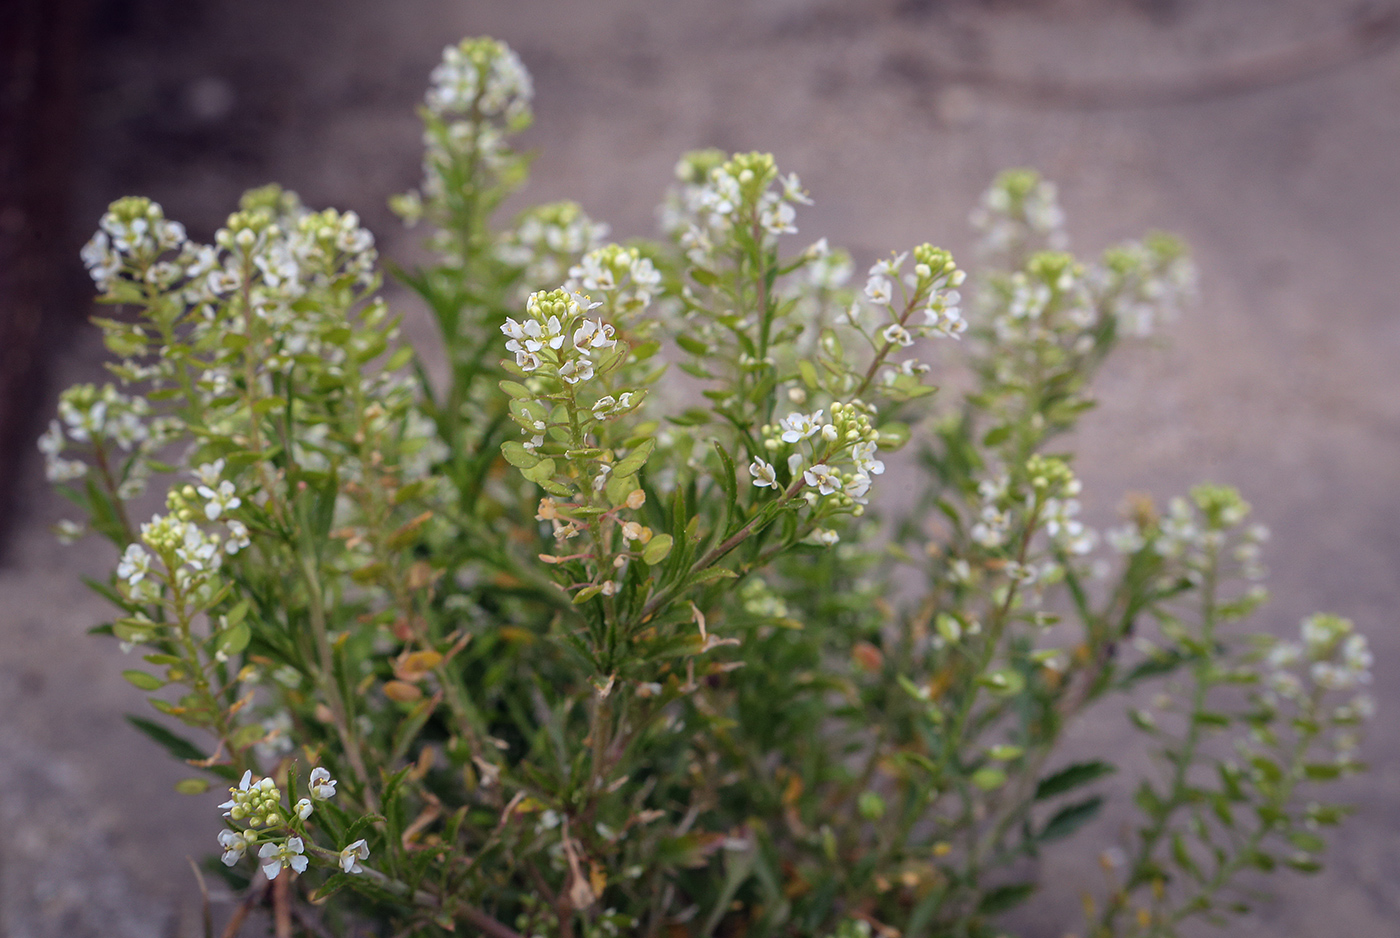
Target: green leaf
x=709, y=575
x=517, y=455
x=808, y=372
x=1306, y=840
x=692, y=345
x=1070, y=818
x=997, y=435
x=1004, y=682
x=989, y=779
x=728, y=479
x=540, y=472
x=635, y=459
x=704, y=277
x=1005, y=897
x=1183, y=858
x=619, y=487
x=177, y=746
x=587, y=593
x=192, y=786
x=1212, y=719
x=1322, y=771
x=657, y=549
x=143, y=680
x=517, y=391
x=1071, y=777
x=236, y=614
x=235, y=639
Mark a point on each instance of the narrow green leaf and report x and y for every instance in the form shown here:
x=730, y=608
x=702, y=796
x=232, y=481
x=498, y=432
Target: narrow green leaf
x=1005, y=897
x=177, y=746
x=1071, y=777
x=143, y=680
x=1070, y=818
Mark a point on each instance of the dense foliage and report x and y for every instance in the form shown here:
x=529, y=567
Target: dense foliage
x=612, y=627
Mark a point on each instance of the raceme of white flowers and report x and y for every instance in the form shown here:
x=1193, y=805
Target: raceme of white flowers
x=257, y=816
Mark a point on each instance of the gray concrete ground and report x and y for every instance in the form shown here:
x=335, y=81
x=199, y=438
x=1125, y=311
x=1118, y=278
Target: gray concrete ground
x=896, y=114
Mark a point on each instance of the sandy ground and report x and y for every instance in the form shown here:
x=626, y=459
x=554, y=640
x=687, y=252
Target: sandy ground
x=896, y=114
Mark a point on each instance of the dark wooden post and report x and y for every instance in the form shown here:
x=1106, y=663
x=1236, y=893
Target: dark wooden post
x=41, y=80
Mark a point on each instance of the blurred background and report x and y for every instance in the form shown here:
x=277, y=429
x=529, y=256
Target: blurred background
x=1264, y=132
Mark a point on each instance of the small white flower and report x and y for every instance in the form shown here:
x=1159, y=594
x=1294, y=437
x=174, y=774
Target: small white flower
x=793, y=191
x=778, y=219
x=135, y=564
x=243, y=785
x=580, y=369
x=800, y=426
x=283, y=855
x=321, y=784
x=858, y=486
x=825, y=537
x=237, y=537
x=235, y=843
x=303, y=809
x=351, y=855
x=863, y=455
x=898, y=335
x=823, y=478
x=888, y=268
x=594, y=334
x=763, y=474
x=945, y=321
x=220, y=500
x=210, y=473
x=879, y=290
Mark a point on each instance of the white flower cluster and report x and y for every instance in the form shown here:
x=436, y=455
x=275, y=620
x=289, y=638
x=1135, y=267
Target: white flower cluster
x=259, y=804
x=1144, y=283
x=827, y=269
x=271, y=253
x=930, y=291
x=1331, y=657
x=1050, y=304
x=624, y=279
x=719, y=193
x=480, y=92
x=133, y=233
x=558, y=337
x=190, y=553
x=833, y=458
x=931, y=288
x=993, y=523
x=1019, y=214
x=1065, y=531
x=90, y=420
x=480, y=77
x=547, y=241
x=1054, y=488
